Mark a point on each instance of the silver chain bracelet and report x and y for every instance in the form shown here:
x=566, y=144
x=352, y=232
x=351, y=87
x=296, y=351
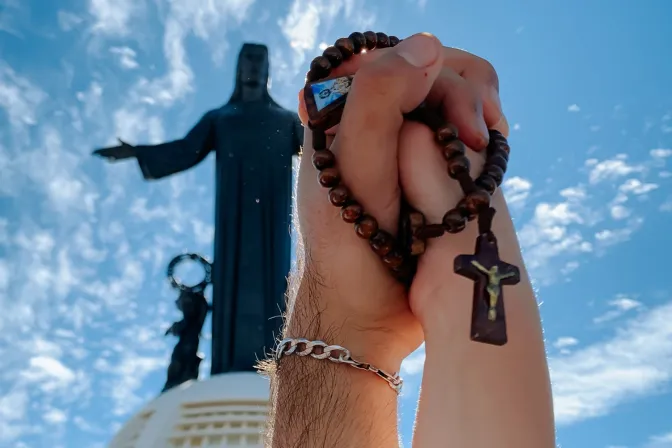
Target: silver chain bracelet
x=333, y=353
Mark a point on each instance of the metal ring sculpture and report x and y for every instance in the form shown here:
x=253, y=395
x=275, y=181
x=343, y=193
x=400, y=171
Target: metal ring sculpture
x=207, y=267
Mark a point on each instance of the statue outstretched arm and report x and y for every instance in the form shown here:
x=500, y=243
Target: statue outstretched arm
x=164, y=159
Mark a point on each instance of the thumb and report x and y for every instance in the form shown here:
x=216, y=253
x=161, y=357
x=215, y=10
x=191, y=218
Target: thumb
x=390, y=85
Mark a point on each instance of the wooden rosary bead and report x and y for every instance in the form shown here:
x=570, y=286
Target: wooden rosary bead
x=416, y=222
x=504, y=147
x=334, y=55
x=323, y=159
x=329, y=177
x=393, y=259
x=487, y=183
x=381, y=242
x=453, y=148
x=462, y=208
x=457, y=165
x=495, y=172
x=339, y=195
x=371, y=40
x=394, y=41
x=320, y=67
x=352, y=212
x=499, y=160
x=477, y=201
x=311, y=76
x=382, y=41
x=358, y=41
x=366, y=227
x=346, y=47
x=454, y=221
x=446, y=133
x=498, y=142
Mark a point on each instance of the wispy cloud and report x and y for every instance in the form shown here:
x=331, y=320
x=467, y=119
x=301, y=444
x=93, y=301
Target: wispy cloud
x=126, y=57
x=636, y=361
x=619, y=306
x=573, y=108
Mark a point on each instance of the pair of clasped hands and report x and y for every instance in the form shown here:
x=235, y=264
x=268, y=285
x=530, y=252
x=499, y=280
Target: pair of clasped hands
x=379, y=155
x=362, y=307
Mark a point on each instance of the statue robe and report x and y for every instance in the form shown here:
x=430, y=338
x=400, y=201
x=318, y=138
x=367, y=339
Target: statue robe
x=254, y=142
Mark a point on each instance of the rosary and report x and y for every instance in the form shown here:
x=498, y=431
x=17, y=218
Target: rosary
x=325, y=100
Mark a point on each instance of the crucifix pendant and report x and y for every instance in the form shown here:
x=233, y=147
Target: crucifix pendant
x=488, y=321
x=325, y=101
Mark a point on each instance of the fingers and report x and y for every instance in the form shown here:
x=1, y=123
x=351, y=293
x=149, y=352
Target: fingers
x=367, y=140
x=385, y=87
x=423, y=174
x=461, y=105
x=483, y=76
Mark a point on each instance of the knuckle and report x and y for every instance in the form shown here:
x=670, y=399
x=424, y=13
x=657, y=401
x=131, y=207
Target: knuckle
x=489, y=71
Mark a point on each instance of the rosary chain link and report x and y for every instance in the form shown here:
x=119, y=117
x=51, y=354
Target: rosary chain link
x=336, y=354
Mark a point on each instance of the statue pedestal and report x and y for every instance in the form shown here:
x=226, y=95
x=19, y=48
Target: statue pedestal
x=221, y=411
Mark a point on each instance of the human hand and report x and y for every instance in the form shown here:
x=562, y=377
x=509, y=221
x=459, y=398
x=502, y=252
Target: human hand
x=467, y=87
x=115, y=153
x=467, y=94
x=342, y=277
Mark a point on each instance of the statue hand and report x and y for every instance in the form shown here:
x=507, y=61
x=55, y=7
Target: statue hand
x=114, y=153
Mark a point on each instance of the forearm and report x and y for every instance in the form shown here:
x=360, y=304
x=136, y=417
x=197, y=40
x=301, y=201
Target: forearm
x=477, y=395
x=318, y=403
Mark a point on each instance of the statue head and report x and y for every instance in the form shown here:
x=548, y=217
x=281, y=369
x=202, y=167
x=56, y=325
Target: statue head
x=252, y=73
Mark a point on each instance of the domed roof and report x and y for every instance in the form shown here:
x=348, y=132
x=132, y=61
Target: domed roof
x=220, y=411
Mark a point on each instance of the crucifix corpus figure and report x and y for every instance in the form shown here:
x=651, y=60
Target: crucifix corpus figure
x=254, y=140
x=488, y=321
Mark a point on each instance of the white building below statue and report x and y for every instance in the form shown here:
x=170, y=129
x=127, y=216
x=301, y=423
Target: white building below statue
x=228, y=410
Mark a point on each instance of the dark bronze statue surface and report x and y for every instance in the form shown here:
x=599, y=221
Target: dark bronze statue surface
x=254, y=140
x=185, y=360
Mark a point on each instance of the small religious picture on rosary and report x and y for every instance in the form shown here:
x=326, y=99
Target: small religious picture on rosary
x=327, y=92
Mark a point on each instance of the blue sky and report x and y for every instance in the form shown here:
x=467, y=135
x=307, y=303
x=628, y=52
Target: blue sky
x=83, y=245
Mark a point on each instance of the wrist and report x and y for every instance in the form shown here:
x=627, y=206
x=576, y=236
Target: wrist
x=312, y=318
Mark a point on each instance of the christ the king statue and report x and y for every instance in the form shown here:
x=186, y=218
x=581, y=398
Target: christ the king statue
x=254, y=140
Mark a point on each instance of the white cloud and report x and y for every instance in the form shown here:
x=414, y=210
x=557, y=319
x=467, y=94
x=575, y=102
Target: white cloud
x=573, y=108
x=610, y=168
x=516, y=190
x=565, y=342
x=609, y=237
x=126, y=57
x=619, y=212
x=620, y=305
x=67, y=21
x=19, y=98
x=305, y=24
x=55, y=416
x=636, y=186
x=414, y=364
x=635, y=362
x=135, y=126
x=660, y=441
x=113, y=17
x=661, y=153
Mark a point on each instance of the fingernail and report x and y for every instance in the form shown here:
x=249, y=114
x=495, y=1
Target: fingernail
x=420, y=50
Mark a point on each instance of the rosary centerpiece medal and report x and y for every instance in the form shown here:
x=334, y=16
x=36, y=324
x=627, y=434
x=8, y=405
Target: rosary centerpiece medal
x=325, y=100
